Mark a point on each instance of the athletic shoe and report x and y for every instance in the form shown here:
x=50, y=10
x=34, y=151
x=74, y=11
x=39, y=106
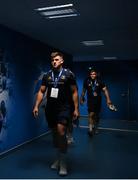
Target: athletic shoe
x=70, y=140
x=62, y=168
x=55, y=165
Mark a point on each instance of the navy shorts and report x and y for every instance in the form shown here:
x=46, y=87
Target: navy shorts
x=94, y=105
x=94, y=108
x=55, y=116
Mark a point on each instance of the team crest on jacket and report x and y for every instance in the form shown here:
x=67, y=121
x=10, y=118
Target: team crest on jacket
x=63, y=77
x=49, y=77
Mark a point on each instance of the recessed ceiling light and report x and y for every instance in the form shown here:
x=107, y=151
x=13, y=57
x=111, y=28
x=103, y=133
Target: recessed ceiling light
x=54, y=7
x=93, y=43
x=110, y=58
x=59, y=11
x=56, y=12
x=62, y=16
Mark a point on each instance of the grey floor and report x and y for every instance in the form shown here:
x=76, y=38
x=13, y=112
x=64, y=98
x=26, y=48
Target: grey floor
x=113, y=153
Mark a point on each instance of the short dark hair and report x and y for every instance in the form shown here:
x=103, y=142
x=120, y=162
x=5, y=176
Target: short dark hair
x=91, y=69
x=56, y=53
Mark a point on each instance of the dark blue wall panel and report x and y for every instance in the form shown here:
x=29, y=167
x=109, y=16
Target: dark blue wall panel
x=26, y=59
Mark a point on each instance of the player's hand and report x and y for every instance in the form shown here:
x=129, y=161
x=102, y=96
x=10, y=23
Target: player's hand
x=75, y=114
x=82, y=100
x=112, y=107
x=35, y=112
x=75, y=119
x=109, y=103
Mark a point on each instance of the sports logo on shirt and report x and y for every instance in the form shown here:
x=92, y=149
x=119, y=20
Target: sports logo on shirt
x=63, y=77
x=49, y=78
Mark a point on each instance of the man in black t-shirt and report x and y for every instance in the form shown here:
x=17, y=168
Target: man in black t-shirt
x=60, y=84
x=94, y=87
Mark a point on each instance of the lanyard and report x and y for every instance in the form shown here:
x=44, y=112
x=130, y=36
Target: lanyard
x=55, y=80
x=94, y=86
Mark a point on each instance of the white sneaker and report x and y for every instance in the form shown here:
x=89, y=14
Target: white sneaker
x=55, y=165
x=62, y=169
x=70, y=140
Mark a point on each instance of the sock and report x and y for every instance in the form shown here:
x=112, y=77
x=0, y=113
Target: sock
x=90, y=127
x=62, y=143
x=55, y=137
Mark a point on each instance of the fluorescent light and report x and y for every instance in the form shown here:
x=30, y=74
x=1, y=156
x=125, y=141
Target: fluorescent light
x=56, y=12
x=59, y=11
x=54, y=7
x=93, y=43
x=110, y=58
x=61, y=16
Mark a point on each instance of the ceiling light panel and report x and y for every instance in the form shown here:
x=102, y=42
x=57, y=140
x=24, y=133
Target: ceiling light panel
x=54, y=7
x=59, y=11
x=110, y=58
x=93, y=43
x=62, y=16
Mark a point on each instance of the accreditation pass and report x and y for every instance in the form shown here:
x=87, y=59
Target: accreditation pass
x=54, y=92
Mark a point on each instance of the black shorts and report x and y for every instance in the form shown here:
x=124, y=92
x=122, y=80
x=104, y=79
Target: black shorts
x=94, y=106
x=55, y=116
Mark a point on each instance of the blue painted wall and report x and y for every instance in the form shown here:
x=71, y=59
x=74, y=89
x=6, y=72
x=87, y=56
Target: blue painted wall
x=121, y=78
x=26, y=59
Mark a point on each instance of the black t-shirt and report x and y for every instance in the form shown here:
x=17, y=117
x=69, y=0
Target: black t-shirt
x=94, y=88
x=65, y=79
